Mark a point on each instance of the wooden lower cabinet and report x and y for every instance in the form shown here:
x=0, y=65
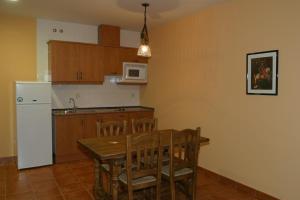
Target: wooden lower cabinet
x=68, y=129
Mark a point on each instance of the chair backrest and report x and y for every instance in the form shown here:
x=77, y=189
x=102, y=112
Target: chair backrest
x=144, y=152
x=144, y=125
x=111, y=128
x=184, y=150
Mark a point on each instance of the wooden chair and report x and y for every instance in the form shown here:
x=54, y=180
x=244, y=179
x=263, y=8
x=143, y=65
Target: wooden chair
x=144, y=125
x=147, y=125
x=146, y=174
x=111, y=128
x=183, y=151
x=106, y=129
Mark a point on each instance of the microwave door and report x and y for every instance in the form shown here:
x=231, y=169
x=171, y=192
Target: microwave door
x=133, y=73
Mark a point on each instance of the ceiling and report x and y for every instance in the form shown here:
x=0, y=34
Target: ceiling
x=127, y=14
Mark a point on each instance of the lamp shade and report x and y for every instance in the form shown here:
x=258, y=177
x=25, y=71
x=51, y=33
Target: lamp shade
x=144, y=50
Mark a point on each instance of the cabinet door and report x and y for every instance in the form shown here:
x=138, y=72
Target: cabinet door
x=91, y=63
x=130, y=55
x=109, y=35
x=90, y=130
x=68, y=129
x=112, y=64
x=64, y=62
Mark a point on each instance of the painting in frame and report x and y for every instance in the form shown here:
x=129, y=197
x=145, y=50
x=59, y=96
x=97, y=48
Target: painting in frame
x=262, y=73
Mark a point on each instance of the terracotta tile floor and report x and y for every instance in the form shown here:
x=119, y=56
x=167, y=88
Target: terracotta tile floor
x=74, y=180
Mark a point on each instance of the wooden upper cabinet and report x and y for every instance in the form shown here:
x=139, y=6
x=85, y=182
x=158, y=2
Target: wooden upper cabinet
x=91, y=67
x=112, y=63
x=63, y=61
x=114, y=58
x=71, y=62
x=128, y=54
x=109, y=35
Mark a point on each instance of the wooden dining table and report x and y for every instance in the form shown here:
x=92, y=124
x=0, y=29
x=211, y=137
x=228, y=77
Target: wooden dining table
x=112, y=150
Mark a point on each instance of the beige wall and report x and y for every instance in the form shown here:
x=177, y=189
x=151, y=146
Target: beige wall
x=197, y=78
x=17, y=62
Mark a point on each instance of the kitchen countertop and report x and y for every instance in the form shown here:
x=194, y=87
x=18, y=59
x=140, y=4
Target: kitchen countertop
x=79, y=111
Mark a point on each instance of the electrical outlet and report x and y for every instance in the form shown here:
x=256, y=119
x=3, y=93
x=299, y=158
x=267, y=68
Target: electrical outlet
x=77, y=95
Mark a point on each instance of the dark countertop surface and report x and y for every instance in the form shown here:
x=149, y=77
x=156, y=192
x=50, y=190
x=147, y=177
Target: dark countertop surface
x=70, y=111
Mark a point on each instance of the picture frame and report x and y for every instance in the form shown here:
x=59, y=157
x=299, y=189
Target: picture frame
x=262, y=73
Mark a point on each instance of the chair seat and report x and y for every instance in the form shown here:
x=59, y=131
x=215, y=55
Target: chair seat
x=165, y=171
x=142, y=180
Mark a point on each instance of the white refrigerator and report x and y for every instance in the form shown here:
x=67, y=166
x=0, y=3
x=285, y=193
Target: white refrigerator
x=34, y=124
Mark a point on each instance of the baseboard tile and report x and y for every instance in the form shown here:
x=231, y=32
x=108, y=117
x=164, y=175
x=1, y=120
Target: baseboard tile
x=6, y=160
x=238, y=186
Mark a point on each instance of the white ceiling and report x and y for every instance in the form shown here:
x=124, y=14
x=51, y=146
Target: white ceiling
x=127, y=14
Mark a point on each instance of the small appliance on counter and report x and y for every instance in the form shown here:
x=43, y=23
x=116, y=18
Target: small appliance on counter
x=34, y=124
x=135, y=73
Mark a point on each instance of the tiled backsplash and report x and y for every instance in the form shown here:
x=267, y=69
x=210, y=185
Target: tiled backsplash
x=106, y=95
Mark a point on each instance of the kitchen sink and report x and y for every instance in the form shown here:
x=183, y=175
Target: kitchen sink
x=72, y=111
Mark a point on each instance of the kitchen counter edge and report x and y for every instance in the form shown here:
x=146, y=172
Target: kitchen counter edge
x=99, y=110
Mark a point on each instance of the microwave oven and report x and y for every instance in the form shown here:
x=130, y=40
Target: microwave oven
x=134, y=72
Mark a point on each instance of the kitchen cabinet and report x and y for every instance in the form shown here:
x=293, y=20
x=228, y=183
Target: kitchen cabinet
x=109, y=35
x=112, y=63
x=112, y=117
x=68, y=129
x=63, y=61
x=91, y=67
x=130, y=55
x=79, y=63
x=114, y=58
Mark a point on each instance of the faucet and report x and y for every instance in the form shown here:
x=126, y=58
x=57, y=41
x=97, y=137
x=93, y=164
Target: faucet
x=72, y=100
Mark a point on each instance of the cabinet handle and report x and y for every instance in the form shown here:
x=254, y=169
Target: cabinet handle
x=80, y=75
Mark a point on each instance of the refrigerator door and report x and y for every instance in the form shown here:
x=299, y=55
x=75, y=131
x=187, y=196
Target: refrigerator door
x=33, y=92
x=34, y=135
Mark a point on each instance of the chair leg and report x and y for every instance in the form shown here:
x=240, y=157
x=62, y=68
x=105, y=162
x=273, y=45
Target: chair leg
x=194, y=187
x=158, y=192
x=172, y=188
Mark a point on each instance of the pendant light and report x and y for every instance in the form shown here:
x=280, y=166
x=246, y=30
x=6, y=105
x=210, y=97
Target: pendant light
x=144, y=49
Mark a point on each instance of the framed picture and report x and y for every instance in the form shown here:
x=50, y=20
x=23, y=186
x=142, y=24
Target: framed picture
x=262, y=73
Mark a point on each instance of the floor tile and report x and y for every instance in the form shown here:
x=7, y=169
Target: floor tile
x=50, y=195
x=26, y=196
x=79, y=195
x=51, y=198
x=66, y=180
x=72, y=188
x=45, y=187
x=18, y=187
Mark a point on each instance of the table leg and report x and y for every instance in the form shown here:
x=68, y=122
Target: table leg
x=98, y=189
x=97, y=182
x=116, y=169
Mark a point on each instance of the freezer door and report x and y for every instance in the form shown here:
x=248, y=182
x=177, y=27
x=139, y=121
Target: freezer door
x=34, y=135
x=33, y=92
